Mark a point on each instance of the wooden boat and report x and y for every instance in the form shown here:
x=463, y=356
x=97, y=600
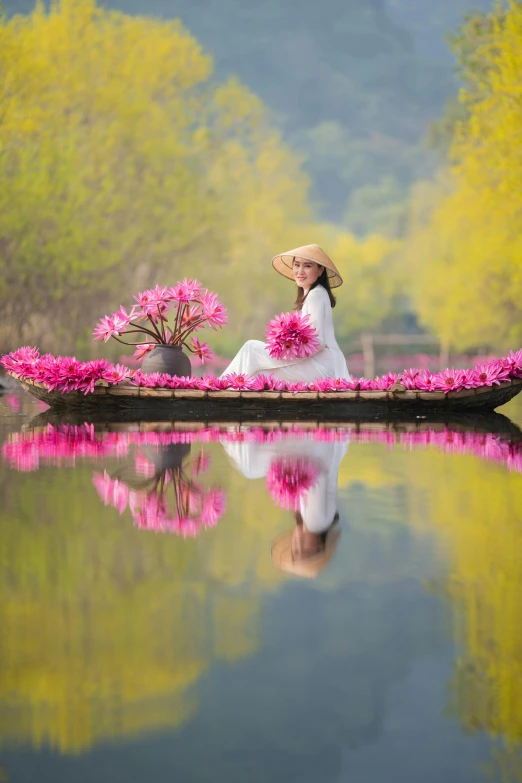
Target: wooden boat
x=197, y=404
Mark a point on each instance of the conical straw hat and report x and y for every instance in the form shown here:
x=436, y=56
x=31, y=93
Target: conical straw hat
x=283, y=263
x=308, y=567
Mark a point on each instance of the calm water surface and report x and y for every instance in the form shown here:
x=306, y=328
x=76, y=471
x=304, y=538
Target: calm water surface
x=147, y=634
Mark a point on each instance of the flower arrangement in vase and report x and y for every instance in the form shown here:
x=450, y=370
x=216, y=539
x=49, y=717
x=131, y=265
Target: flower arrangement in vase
x=166, y=318
x=191, y=506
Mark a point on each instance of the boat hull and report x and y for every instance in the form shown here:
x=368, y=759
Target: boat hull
x=183, y=403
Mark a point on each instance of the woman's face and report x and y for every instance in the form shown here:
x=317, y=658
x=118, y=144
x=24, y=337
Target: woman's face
x=305, y=544
x=306, y=272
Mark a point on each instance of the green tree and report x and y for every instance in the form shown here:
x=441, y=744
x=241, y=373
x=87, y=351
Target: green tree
x=123, y=163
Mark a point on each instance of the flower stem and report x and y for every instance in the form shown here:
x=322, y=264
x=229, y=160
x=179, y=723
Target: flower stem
x=191, y=328
x=162, y=324
x=155, y=328
x=177, y=324
x=123, y=341
x=142, y=329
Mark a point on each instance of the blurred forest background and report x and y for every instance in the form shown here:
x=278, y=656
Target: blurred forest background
x=207, y=136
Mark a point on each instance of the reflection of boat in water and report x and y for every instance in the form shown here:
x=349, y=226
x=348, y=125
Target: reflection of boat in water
x=197, y=403
x=395, y=425
x=59, y=438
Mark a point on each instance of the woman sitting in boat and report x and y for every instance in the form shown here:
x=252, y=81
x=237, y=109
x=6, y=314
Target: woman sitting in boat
x=315, y=274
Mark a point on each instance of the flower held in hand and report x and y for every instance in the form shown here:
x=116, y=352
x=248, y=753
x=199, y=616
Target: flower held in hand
x=291, y=336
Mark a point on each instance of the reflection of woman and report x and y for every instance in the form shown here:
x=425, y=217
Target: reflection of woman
x=315, y=275
x=308, y=548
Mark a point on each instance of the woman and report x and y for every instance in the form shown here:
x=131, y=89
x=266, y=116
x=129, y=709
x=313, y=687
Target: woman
x=315, y=275
x=309, y=546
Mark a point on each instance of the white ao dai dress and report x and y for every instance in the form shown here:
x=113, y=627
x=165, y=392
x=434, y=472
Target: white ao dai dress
x=328, y=362
x=319, y=504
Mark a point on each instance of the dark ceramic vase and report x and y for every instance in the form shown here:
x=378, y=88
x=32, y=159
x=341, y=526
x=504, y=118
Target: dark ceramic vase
x=167, y=358
x=167, y=457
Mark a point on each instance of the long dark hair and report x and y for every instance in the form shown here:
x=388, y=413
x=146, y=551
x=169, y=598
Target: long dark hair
x=300, y=521
x=321, y=280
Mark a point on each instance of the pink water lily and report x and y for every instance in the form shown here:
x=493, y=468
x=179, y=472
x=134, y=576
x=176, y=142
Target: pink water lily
x=515, y=362
x=322, y=385
x=192, y=318
x=424, y=381
x=211, y=383
x=143, y=349
x=298, y=386
x=409, y=378
x=116, y=373
x=291, y=336
x=385, y=382
x=368, y=384
x=185, y=291
x=469, y=379
x=263, y=382
x=201, y=350
x=448, y=380
x=238, y=381
x=490, y=373
x=107, y=327
x=148, y=302
x=213, y=310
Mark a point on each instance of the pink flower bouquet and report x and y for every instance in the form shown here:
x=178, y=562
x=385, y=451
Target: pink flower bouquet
x=166, y=316
x=291, y=336
x=289, y=478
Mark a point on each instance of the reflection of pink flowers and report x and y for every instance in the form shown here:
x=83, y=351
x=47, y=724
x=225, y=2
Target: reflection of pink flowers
x=66, y=444
x=291, y=336
x=193, y=508
x=201, y=463
x=25, y=450
x=112, y=491
x=289, y=479
x=13, y=400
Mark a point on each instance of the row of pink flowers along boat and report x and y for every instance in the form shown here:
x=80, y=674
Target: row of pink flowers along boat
x=66, y=374
x=170, y=316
